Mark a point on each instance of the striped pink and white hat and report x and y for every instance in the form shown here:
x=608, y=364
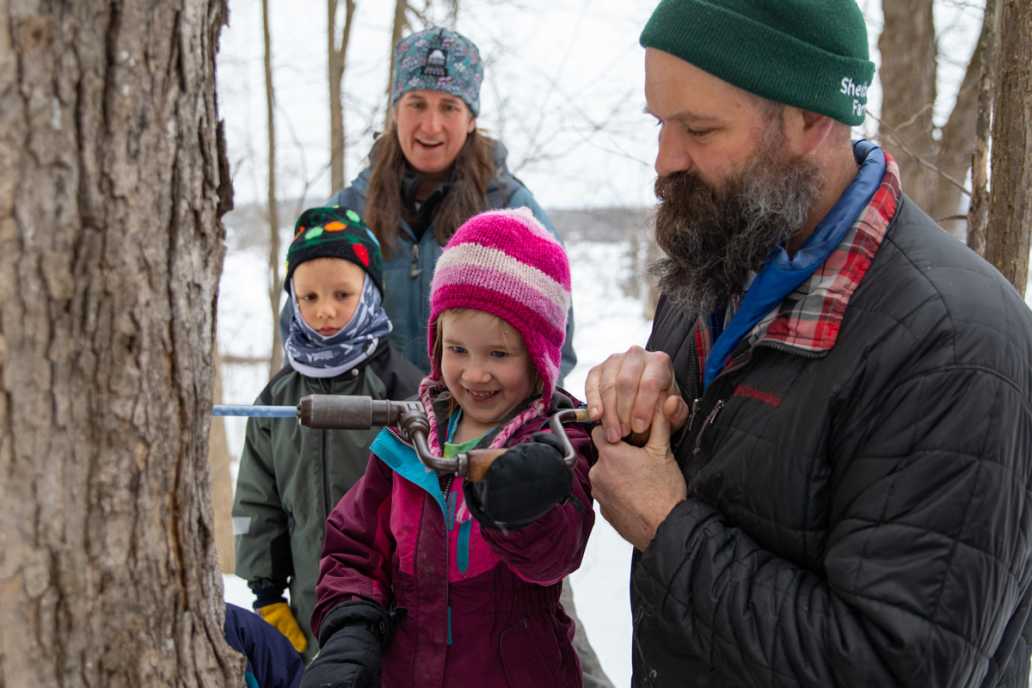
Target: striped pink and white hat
x=503, y=262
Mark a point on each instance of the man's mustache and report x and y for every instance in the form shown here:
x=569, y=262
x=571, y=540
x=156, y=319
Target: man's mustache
x=677, y=185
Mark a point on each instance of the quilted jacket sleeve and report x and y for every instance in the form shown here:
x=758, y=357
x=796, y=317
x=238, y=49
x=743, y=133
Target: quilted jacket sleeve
x=356, y=557
x=925, y=562
x=550, y=548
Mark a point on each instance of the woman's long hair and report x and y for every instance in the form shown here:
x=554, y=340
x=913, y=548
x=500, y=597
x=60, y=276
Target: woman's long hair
x=474, y=169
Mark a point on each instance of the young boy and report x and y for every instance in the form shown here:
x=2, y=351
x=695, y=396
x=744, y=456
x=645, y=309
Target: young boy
x=291, y=476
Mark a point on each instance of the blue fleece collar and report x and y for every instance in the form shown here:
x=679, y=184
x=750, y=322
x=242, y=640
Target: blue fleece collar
x=782, y=274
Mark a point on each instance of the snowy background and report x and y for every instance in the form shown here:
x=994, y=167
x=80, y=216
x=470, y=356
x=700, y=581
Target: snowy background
x=563, y=88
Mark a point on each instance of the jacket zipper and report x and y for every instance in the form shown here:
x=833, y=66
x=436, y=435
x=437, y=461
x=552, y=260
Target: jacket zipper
x=448, y=517
x=741, y=361
x=447, y=545
x=414, y=269
x=325, y=467
x=710, y=419
x=737, y=363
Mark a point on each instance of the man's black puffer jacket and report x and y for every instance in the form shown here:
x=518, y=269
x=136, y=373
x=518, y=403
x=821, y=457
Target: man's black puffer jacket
x=860, y=517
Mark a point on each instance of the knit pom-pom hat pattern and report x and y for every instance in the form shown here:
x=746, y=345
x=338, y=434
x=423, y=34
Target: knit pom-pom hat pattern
x=505, y=263
x=334, y=232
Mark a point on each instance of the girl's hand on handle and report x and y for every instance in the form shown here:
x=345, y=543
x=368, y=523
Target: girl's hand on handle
x=521, y=485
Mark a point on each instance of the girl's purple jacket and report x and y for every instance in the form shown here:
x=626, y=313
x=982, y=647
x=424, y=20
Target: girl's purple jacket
x=482, y=605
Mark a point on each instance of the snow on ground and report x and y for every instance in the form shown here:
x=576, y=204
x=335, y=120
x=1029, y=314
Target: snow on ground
x=607, y=321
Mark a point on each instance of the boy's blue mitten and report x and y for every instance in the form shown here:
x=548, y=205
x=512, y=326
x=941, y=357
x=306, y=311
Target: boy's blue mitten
x=521, y=485
x=351, y=642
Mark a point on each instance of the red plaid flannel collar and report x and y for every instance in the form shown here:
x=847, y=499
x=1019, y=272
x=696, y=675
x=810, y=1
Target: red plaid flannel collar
x=809, y=319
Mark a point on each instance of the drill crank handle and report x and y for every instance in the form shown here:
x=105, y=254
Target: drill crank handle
x=478, y=461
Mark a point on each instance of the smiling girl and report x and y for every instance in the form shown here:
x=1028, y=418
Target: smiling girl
x=477, y=567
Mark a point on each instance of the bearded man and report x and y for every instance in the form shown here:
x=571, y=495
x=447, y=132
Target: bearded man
x=837, y=395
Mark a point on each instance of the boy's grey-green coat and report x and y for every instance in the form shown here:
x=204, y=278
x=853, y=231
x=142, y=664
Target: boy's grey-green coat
x=290, y=477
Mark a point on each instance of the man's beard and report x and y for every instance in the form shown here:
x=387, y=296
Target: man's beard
x=713, y=238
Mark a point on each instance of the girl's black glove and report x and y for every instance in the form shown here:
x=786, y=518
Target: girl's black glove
x=521, y=485
x=351, y=641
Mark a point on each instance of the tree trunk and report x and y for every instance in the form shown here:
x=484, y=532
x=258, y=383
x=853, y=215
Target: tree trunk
x=113, y=181
x=933, y=164
x=397, y=28
x=1010, y=210
x=276, y=354
x=978, y=211
x=908, y=63
x=337, y=57
x=221, y=478
x=956, y=146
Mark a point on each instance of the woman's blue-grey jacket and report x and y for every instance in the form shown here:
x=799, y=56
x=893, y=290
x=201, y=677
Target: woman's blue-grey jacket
x=407, y=274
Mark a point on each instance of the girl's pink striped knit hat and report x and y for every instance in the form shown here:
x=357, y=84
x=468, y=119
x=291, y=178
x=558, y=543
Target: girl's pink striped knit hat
x=503, y=262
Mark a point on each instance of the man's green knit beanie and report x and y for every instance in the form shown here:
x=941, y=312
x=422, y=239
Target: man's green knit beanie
x=807, y=53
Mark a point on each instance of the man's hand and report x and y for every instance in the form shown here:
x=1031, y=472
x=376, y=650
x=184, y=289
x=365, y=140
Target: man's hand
x=625, y=391
x=637, y=488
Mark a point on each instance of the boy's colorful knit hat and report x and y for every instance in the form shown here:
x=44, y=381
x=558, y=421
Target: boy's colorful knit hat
x=438, y=60
x=808, y=53
x=505, y=263
x=334, y=233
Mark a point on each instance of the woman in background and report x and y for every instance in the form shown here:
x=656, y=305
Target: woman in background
x=429, y=172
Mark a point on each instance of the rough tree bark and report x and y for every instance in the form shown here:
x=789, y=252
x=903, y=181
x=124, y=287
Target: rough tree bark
x=337, y=56
x=978, y=211
x=1010, y=208
x=272, y=205
x=113, y=181
x=933, y=164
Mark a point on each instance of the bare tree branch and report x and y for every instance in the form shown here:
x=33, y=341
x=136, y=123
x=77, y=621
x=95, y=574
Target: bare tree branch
x=898, y=142
x=337, y=54
x=275, y=357
x=397, y=28
x=229, y=359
